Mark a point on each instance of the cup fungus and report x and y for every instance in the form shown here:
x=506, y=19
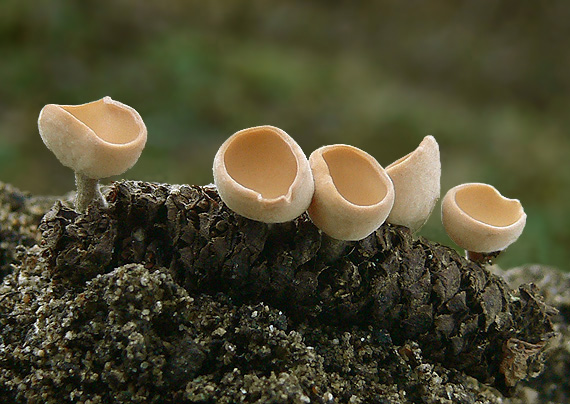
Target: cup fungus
x=416, y=179
x=353, y=193
x=262, y=173
x=480, y=220
x=97, y=140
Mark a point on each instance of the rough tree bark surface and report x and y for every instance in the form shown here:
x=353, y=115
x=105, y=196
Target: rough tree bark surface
x=459, y=313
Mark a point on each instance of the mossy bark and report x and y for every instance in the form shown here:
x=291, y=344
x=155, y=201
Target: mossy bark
x=459, y=313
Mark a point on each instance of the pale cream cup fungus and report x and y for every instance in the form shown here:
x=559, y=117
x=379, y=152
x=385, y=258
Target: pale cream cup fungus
x=96, y=140
x=480, y=220
x=261, y=173
x=353, y=193
x=416, y=179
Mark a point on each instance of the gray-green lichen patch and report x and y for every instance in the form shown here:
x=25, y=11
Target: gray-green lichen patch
x=168, y=297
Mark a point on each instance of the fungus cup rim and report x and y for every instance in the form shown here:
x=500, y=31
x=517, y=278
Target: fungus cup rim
x=250, y=202
x=108, y=101
x=496, y=194
x=283, y=137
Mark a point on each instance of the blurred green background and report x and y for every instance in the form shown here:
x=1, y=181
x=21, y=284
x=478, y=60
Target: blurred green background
x=490, y=80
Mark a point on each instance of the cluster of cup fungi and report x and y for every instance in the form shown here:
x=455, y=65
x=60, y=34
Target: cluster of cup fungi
x=262, y=174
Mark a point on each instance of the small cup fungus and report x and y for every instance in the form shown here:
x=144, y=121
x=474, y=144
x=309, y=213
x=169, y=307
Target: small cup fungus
x=353, y=193
x=480, y=220
x=262, y=173
x=416, y=179
x=97, y=140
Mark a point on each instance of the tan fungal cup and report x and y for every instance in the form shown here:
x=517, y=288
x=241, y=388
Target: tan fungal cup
x=416, y=179
x=479, y=219
x=262, y=173
x=353, y=193
x=98, y=139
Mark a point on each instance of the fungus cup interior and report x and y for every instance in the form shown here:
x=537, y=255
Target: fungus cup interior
x=485, y=204
x=108, y=121
x=263, y=162
x=354, y=176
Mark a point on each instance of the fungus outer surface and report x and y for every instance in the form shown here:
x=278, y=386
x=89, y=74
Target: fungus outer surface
x=97, y=139
x=353, y=193
x=417, y=184
x=479, y=219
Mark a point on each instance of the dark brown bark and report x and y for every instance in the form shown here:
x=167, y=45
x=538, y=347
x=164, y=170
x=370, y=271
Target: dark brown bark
x=459, y=313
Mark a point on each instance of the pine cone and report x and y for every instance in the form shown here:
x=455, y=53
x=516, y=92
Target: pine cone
x=460, y=314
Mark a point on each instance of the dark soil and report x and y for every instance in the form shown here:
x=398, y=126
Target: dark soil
x=166, y=296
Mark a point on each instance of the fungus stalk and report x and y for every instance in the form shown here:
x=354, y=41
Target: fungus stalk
x=87, y=192
x=481, y=258
x=332, y=249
